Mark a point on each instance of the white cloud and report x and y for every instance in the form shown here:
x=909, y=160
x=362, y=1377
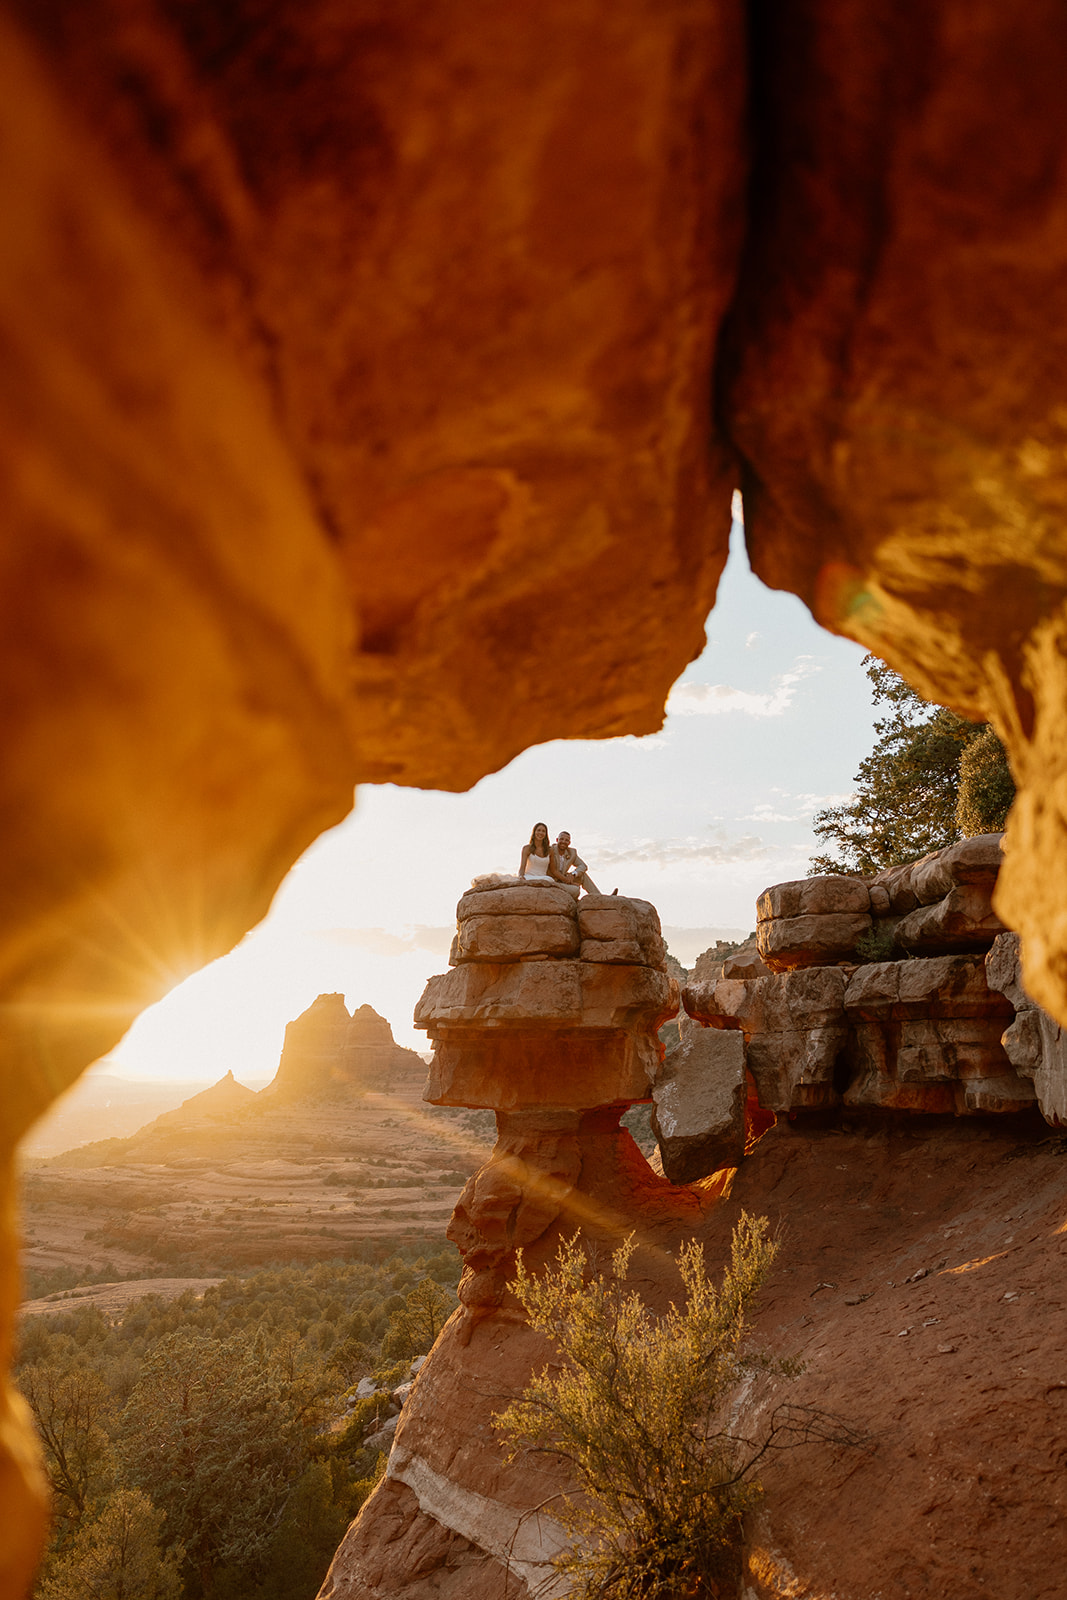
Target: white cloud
x=804, y=808
x=753, y=640
x=711, y=699
x=667, y=852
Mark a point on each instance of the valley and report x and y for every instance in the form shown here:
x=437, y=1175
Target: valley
x=234, y=1180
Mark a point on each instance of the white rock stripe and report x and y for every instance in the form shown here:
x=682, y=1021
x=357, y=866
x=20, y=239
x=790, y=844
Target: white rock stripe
x=525, y=1541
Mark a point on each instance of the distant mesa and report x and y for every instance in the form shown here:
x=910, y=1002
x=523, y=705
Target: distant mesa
x=327, y=1052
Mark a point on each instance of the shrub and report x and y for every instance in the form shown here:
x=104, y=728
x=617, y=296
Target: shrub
x=639, y=1411
x=879, y=943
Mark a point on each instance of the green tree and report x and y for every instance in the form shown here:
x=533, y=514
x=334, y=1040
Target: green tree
x=987, y=787
x=414, y=1326
x=115, y=1555
x=639, y=1410
x=75, y=1413
x=908, y=790
x=215, y=1432
x=303, y=1545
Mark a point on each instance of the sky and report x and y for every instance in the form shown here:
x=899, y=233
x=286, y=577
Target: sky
x=764, y=729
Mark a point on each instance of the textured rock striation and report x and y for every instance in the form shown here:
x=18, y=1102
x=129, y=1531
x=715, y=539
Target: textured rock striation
x=559, y=1045
x=328, y=1052
x=931, y=1031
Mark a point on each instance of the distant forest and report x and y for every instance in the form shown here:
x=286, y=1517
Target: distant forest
x=214, y=1448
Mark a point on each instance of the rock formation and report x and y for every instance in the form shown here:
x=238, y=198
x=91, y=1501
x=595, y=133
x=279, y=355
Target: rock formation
x=333, y=337
x=933, y=1032
x=221, y=1100
x=328, y=1052
x=935, y=906
x=559, y=1044
x=699, y=1103
x=1034, y=1042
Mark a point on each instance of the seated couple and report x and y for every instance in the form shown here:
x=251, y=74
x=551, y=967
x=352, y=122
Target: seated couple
x=543, y=862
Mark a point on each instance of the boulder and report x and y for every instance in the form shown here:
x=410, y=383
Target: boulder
x=826, y=895
x=786, y=943
x=746, y=963
x=510, y=938
x=383, y=1438
x=617, y=930
x=881, y=903
x=520, y=898
x=698, y=1098
x=891, y=892
x=794, y=1027
x=975, y=861
x=963, y=919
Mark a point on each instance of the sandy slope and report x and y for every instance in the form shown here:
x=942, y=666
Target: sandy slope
x=960, y=1375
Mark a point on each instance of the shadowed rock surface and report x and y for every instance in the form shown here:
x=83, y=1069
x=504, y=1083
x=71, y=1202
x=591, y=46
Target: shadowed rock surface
x=332, y=336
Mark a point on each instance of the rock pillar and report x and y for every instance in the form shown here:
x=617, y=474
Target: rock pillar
x=549, y=1017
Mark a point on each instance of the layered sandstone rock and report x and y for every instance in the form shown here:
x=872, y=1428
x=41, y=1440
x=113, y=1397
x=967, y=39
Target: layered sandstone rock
x=892, y=374
x=925, y=1035
x=922, y=1035
x=620, y=931
x=794, y=1027
x=812, y=922
x=559, y=1048
x=902, y=1035
x=934, y=906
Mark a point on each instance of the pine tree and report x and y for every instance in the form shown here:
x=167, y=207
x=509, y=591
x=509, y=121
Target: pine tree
x=215, y=1432
x=907, y=800
x=115, y=1555
x=412, y=1330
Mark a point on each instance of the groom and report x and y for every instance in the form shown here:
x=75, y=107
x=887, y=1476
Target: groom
x=567, y=865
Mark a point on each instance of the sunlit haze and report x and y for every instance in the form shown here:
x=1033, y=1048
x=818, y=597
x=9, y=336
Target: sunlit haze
x=765, y=728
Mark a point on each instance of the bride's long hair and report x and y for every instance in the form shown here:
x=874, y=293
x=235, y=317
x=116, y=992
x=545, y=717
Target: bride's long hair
x=533, y=840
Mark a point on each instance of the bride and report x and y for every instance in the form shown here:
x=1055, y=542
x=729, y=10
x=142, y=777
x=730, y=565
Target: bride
x=537, y=856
